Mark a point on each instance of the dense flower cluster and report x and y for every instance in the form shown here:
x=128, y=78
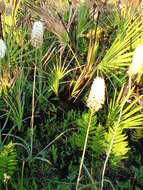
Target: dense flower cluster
x=137, y=62
x=37, y=34
x=96, y=96
x=2, y=49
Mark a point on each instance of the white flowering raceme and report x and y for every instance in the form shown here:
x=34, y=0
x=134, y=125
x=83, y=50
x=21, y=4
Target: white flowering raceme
x=37, y=34
x=96, y=96
x=2, y=49
x=137, y=62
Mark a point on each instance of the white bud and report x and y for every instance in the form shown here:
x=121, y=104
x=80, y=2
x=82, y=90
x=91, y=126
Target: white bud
x=5, y=178
x=2, y=49
x=137, y=62
x=96, y=96
x=37, y=34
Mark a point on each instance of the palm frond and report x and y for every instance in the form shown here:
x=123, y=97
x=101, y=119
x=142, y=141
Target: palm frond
x=57, y=72
x=52, y=21
x=119, y=55
x=83, y=23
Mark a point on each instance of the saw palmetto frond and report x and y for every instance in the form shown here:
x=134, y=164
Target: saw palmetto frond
x=52, y=22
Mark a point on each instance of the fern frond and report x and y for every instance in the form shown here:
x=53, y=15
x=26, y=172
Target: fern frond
x=8, y=160
x=78, y=138
x=131, y=117
x=95, y=138
x=120, y=146
x=137, y=134
x=97, y=141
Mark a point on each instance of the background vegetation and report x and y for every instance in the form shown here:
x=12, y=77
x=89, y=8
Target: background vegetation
x=43, y=124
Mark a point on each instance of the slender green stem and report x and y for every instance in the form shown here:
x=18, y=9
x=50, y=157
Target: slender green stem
x=0, y=70
x=90, y=177
x=63, y=133
x=130, y=83
x=22, y=172
x=40, y=73
x=74, y=56
x=114, y=135
x=84, y=149
x=0, y=140
x=6, y=187
x=110, y=148
x=106, y=180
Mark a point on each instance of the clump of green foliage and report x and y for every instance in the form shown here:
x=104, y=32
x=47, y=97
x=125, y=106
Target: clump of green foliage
x=43, y=93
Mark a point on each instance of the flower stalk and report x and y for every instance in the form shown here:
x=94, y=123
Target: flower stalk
x=36, y=41
x=33, y=102
x=84, y=149
x=94, y=102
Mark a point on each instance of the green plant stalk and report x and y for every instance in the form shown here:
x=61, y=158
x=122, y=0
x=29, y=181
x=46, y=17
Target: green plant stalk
x=40, y=74
x=54, y=140
x=114, y=134
x=0, y=69
x=33, y=100
x=22, y=172
x=90, y=177
x=106, y=180
x=74, y=55
x=130, y=83
x=84, y=149
x=0, y=139
x=6, y=187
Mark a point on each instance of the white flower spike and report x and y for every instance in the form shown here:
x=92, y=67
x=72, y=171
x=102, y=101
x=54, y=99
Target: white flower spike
x=37, y=34
x=96, y=96
x=137, y=62
x=2, y=49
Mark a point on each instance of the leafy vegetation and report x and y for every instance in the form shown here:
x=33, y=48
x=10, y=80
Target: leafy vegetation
x=51, y=137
